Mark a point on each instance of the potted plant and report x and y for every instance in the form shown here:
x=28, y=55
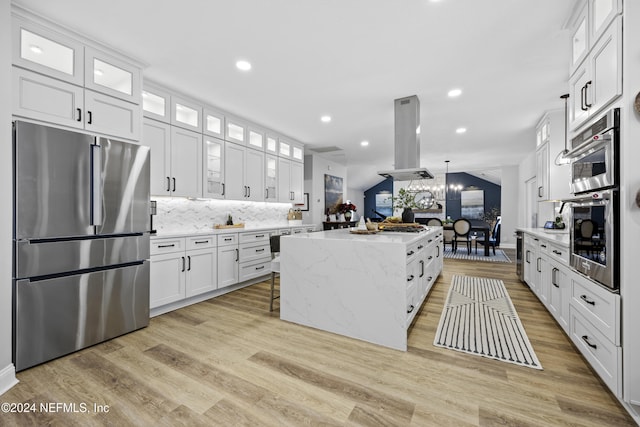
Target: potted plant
x=406, y=201
x=346, y=209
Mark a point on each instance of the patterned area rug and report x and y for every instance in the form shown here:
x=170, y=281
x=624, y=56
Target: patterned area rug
x=500, y=256
x=479, y=318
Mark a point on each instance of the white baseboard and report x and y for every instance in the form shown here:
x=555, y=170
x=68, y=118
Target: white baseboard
x=7, y=378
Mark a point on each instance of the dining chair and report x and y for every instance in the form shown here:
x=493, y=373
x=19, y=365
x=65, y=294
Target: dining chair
x=494, y=238
x=274, y=242
x=584, y=239
x=434, y=222
x=462, y=230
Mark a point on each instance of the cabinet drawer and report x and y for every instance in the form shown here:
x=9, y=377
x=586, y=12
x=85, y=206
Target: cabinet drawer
x=227, y=239
x=599, y=306
x=201, y=242
x=252, y=270
x=559, y=253
x=412, y=250
x=298, y=230
x=250, y=252
x=262, y=236
x=603, y=356
x=165, y=246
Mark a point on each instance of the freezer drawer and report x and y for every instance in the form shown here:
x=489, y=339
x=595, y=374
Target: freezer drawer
x=58, y=316
x=35, y=259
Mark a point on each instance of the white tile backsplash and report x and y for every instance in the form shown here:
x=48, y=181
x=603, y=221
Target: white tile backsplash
x=178, y=215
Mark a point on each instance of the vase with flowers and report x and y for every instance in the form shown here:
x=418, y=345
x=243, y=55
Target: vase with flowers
x=346, y=209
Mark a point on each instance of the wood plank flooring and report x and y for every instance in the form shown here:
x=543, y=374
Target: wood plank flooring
x=229, y=361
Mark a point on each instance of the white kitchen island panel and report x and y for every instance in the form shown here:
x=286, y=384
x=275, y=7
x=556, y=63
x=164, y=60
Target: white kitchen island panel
x=359, y=286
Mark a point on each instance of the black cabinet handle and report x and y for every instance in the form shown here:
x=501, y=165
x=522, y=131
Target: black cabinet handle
x=430, y=240
x=260, y=268
x=430, y=278
x=223, y=189
x=420, y=247
x=182, y=263
x=587, y=300
x=201, y=242
x=410, y=278
x=79, y=114
x=411, y=307
x=438, y=251
x=526, y=257
x=258, y=236
x=167, y=246
x=421, y=268
x=585, y=338
x=557, y=252
x=543, y=246
x=237, y=255
x=189, y=258
x=260, y=250
x=249, y=195
x=90, y=117
x=586, y=88
x=554, y=276
x=228, y=239
x=538, y=265
x=410, y=253
x=174, y=184
x=539, y=193
x=168, y=184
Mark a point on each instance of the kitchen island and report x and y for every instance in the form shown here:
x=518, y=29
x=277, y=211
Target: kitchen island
x=368, y=287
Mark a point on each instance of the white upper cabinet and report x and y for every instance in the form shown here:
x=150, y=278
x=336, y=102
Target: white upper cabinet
x=186, y=163
x=111, y=116
x=579, y=37
x=48, y=52
x=213, y=186
x=256, y=138
x=235, y=131
x=213, y=123
x=186, y=114
x=297, y=152
x=109, y=75
x=602, y=13
x=284, y=148
x=271, y=178
x=157, y=136
x=271, y=144
x=156, y=103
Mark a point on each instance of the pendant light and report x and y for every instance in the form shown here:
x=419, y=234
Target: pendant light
x=561, y=158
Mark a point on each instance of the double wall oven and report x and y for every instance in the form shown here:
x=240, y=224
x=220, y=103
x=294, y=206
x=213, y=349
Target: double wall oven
x=594, y=230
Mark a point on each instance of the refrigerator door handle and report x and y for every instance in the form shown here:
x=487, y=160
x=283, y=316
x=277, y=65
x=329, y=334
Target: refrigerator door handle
x=96, y=185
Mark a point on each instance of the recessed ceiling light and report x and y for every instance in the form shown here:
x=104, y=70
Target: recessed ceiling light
x=243, y=65
x=325, y=119
x=364, y=143
x=454, y=92
x=461, y=130
x=35, y=49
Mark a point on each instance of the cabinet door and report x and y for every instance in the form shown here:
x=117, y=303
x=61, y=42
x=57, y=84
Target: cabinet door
x=157, y=136
x=43, y=98
x=542, y=174
x=256, y=138
x=167, y=279
x=296, y=182
x=602, y=12
x=297, y=152
x=271, y=144
x=606, y=69
x=156, y=104
x=111, y=116
x=201, y=271
x=578, y=111
x=254, y=175
x=186, y=114
x=213, y=156
x=234, y=188
x=213, y=123
x=227, y=266
x=47, y=52
x=271, y=178
x=579, y=38
x=186, y=163
x=235, y=131
x=284, y=148
x=544, y=271
x=106, y=74
x=284, y=180
x=559, y=294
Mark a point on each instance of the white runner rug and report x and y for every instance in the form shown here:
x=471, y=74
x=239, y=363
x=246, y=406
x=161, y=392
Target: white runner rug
x=500, y=256
x=479, y=318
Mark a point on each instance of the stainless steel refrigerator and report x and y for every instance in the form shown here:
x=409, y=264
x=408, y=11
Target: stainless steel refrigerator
x=81, y=241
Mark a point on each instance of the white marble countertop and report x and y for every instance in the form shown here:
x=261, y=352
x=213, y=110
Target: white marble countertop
x=560, y=237
x=382, y=236
x=214, y=231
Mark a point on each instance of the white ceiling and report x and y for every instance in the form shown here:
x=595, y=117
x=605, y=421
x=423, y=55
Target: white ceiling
x=350, y=59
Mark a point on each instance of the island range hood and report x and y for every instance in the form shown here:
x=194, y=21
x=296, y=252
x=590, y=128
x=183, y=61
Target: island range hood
x=407, y=142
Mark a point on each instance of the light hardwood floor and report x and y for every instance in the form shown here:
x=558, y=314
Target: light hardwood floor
x=228, y=361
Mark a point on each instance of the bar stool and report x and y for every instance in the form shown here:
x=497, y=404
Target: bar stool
x=274, y=242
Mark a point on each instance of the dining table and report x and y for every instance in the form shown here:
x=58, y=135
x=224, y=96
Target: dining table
x=476, y=227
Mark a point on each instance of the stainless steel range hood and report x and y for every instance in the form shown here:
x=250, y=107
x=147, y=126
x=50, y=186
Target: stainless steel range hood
x=407, y=142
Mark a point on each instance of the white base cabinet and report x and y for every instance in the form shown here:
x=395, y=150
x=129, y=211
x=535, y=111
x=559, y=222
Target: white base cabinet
x=228, y=257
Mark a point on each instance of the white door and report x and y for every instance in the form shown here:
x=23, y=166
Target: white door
x=227, y=266
x=167, y=279
x=186, y=163
x=157, y=136
x=201, y=271
x=234, y=187
x=254, y=175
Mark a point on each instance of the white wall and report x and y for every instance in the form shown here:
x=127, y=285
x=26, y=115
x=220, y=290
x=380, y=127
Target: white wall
x=7, y=371
x=357, y=198
x=526, y=171
x=315, y=169
x=509, y=193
